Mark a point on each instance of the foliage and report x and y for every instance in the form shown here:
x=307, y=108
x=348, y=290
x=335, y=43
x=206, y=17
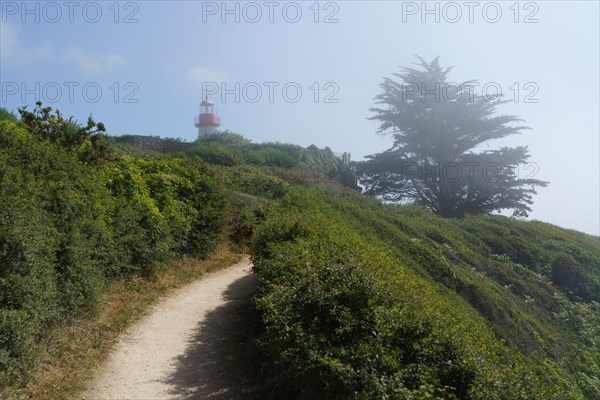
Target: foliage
x=6, y=115
x=270, y=156
x=437, y=126
x=246, y=213
x=67, y=226
x=225, y=137
x=86, y=141
x=232, y=149
x=360, y=299
x=162, y=208
x=255, y=181
x=50, y=209
x=364, y=300
x=572, y=279
x=218, y=153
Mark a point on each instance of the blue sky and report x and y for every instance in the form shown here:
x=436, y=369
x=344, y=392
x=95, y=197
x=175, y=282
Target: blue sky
x=140, y=66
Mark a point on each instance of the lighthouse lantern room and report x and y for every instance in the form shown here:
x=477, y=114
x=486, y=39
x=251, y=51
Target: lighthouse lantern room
x=207, y=122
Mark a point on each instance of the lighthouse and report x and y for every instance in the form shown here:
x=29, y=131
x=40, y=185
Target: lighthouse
x=207, y=122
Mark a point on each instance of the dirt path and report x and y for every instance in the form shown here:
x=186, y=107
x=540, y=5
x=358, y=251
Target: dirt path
x=183, y=348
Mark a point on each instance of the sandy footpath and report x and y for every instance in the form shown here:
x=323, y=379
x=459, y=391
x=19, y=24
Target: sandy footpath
x=181, y=350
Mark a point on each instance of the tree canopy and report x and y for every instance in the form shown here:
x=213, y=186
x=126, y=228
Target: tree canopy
x=437, y=126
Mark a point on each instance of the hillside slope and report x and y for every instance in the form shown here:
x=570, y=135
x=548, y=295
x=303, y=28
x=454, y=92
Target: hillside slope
x=360, y=300
x=366, y=300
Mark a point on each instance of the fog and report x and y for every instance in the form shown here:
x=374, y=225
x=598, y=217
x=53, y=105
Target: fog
x=307, y=73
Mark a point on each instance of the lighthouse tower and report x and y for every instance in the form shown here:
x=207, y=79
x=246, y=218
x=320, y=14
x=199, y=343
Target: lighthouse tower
x=207, y=122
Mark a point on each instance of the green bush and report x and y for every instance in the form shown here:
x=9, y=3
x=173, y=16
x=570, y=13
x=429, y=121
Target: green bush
x=208, y=202
x=161, y=208
x=270, y=156
x=48, y=230
x=246, y=212
x=86, y=141
x=16, y=344
x=67, y=225
x=6, y=115
x=370, y=301
x=311, y=163
x=139, y=230
x=255, y=181
x=218, y=153
x=225, y=137
x=568, y=275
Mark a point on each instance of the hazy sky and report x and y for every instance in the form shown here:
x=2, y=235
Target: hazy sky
x=307, y=72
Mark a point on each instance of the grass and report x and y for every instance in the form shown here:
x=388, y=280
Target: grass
x=368, y=301
x=72, y=353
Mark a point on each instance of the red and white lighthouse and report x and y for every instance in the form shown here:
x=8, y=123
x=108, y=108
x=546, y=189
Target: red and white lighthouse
x=207, y=122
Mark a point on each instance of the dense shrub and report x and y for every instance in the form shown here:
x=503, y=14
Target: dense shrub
x=246, y=213
x=568, y=275
x=257, y=182
x=66, y=226
x=7, y=115
x=87, y=141
x=307, y=164
x=370, y=301
x=270, y=156
x=208, y=201
x=218, y=153
x=49, y=205
x=161, y=208
x=225, y=137
x=361, y=300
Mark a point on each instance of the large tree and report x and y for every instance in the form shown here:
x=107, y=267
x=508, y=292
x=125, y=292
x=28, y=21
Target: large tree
x=436, y=160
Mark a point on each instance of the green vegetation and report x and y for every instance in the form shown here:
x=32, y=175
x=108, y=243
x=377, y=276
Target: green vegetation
x=369, y=301
x=86, y=141
x=359, y=300
x=71, y=222
x=230, y=149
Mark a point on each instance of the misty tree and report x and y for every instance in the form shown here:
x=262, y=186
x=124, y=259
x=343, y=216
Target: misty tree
x=436, y=160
